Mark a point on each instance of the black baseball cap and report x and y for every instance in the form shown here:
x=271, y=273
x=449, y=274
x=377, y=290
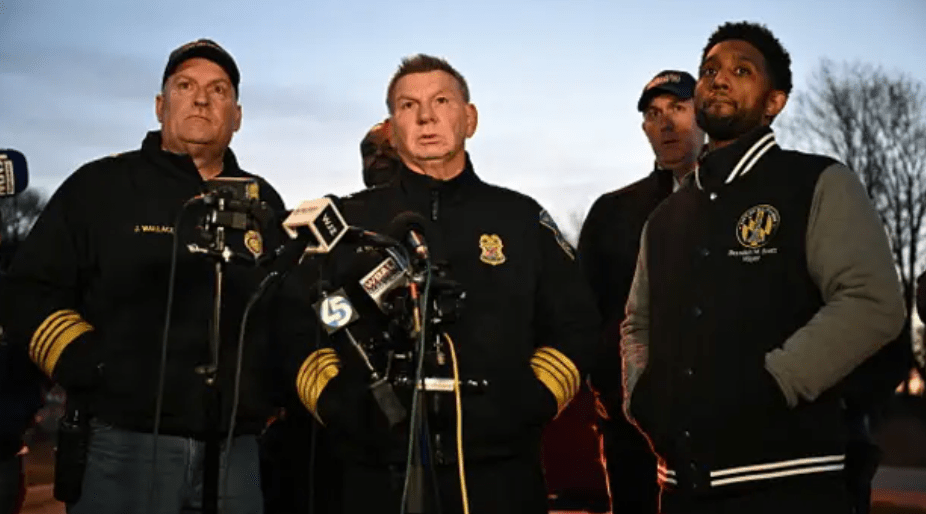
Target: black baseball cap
x=678, y=83
x=207, y=49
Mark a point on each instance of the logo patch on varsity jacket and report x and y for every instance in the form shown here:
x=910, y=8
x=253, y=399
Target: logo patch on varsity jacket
x=547, y=221
x=254, y=243
x=754, y=231
x=757, y=226
x=491, y=246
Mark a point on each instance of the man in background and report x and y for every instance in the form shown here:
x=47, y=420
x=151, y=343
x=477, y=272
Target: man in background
x=608, y=247
x=380, y=160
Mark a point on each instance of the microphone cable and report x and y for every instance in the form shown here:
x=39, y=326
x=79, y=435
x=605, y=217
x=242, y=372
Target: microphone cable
x=239, y=359
x=162, y=369
x=464, y=495
x=419, y=382
x=270, y=279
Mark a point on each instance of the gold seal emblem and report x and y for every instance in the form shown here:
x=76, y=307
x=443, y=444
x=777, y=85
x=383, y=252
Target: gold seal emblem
x=491, y=246
x=757, y=226
x=254, y=243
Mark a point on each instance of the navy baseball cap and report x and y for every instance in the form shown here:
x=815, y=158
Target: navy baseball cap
x=678, y=83
x=207, y=49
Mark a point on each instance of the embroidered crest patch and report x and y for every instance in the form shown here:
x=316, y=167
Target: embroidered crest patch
x=491, y=246
x=547, y=221
x=757, y=225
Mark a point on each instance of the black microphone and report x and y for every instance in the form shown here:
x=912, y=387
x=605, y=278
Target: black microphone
x=336, y=313
x=413, y=229
x=14, y=175
x=289, y=254
x=386, y=277
x=314, y=228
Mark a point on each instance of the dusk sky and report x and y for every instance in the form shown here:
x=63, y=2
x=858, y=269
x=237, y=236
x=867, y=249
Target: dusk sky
x=556, y=82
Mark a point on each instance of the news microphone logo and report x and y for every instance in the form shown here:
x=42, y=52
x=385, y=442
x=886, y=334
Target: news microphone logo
x=383, y=278
x=13, y=174
x=335, y=311
x=322, y=217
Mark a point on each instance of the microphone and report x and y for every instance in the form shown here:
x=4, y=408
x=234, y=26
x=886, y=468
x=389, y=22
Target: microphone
x=411, y=228
x=289, y=254
x=322, y=219
x=384, y=278
x=336, y=313
x=234, y=200
x=14, y=175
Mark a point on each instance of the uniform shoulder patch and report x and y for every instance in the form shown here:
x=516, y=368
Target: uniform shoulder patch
x=547, y=221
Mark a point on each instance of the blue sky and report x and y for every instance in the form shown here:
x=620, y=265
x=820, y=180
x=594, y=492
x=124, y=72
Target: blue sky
x=555, y=81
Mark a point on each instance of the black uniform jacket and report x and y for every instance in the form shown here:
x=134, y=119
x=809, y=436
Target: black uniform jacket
x=87, y=293
x=608, y=248
x=527, y=326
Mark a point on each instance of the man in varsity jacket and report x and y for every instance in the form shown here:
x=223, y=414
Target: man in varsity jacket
x=758, y=288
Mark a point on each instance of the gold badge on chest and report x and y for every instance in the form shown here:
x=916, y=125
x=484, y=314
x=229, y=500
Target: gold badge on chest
x=491, y=246
x=254, y=243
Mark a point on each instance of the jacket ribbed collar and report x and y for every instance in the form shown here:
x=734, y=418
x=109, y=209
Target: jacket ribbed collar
x=416, y=184
x=724, y=165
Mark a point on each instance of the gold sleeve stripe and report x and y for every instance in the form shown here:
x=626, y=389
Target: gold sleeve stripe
x=58, y=330
x=310, y=377
x=310, y=393
x=40, y=340
x=553, y=383
x=564, y=361
x=557, y=372
x=317, y=370
x=569, y=385
x=67, y=337
x=309, y=371
x=39, y=346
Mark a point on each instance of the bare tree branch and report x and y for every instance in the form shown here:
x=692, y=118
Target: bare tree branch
x=875, y=123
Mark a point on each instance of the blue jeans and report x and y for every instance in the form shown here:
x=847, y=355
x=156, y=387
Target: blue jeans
x=120, y=478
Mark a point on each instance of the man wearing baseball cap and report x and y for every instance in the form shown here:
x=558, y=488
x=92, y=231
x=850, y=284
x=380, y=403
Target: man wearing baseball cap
x=86, y=296
x=608, y=246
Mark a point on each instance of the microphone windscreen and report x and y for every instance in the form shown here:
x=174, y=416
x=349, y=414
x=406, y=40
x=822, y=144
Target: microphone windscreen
x=406, y=221
x=14, y=175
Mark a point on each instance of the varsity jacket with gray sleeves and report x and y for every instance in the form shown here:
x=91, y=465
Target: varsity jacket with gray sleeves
x=758, y=288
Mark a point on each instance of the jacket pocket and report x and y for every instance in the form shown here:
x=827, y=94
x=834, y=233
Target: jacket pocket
x=641, y=402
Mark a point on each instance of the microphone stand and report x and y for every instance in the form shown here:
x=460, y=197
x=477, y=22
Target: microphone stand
x=212, y=405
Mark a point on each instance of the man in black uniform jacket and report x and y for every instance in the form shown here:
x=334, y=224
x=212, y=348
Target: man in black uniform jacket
x=526, y=327
x=20, y=398
x=759, y=288
x=608, y=246
x=86, y=294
